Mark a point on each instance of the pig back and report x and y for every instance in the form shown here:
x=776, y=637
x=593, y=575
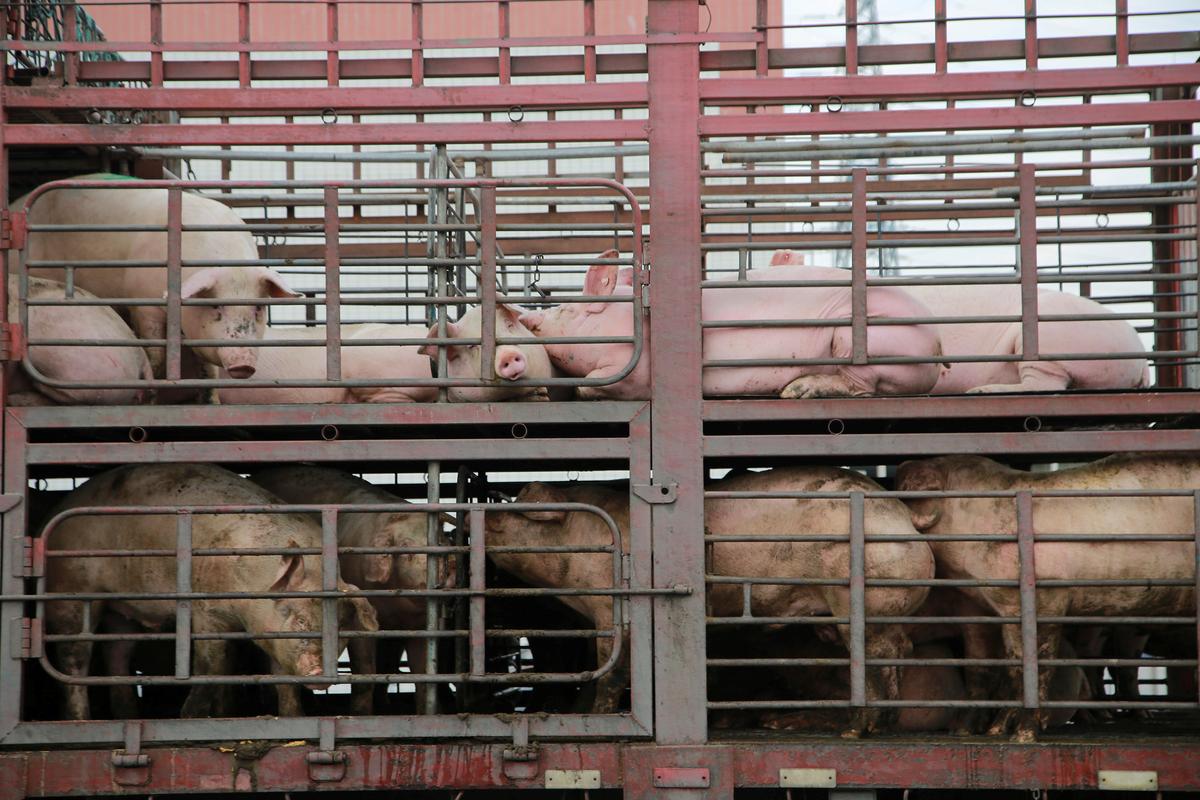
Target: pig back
x=172, y=485
x=809, y=559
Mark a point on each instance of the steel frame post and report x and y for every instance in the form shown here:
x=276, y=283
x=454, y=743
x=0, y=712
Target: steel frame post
x=680, y=705
x=11, y=582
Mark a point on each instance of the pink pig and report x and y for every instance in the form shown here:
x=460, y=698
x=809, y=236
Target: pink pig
x=750, y=303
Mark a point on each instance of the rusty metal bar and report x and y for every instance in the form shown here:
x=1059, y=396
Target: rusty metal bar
x=486, y=209
x=1027, y=259
x=858, y=589
x=940, y=47
x=762, y=46
x=505, y=66
x=433, y=537
x=858, y=266
x=1028, y=593
x=478, y=572
x=243, y=68
x=1196, y=527
x=156, y=40
x=589, y=50
x=1031, y=35
x=418, y=34
x=1122, y=14
x=851, y=30
x=333, y=283
x=332, y=70
x=329, y=583
x=174, y=354
x=71, y=58
x=183, y=584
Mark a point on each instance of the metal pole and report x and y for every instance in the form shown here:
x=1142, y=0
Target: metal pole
x=333, y=306
x=183, y=584
x=1027, y=262
x=858, y=599
x=174, y=282
x=1028, y=593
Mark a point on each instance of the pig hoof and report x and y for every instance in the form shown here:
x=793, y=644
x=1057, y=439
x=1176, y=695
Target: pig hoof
x=1024, y=736
x=852, y=733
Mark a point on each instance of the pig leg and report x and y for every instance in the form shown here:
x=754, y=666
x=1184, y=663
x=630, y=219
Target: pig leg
x=118, y=657
x=813, y=386
x=1036, y=376
x=1049, y=640
x=288, y=694
x=362, y=662
x=978, y=642
x=73, y=657
x=151, y=323
x=209, y=657
x=1128, y=642
x=610, y=687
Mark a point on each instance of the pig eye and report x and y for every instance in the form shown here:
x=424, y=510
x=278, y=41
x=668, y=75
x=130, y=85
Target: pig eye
x=219, y=312
x=260, y=310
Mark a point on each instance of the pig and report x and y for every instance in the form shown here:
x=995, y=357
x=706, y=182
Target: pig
x=720, y=304
x=189, y=484
x=786, y=559
x=241, y=321
x=396, y=571
x=1049, y=374
x=1061, y=560
x=513, y=363
x=112, y=363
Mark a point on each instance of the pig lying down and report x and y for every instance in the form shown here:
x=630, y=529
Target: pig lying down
x=409, y=362
x=1049, y=374
x=739, y=343
x=189, y=484
x=239, y=323
x=109, y=364
x=791, y=557
x=1123, y=560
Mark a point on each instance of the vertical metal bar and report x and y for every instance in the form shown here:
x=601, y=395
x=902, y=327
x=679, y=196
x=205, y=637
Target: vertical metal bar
x=244, y=40
x=70, y=58
x=1027, y=581
x=174, y=281
x=487, y=282
x=1122, y=11
x=1183, y=376
x=14, y=522
x=941, y=48
x=461, y=560
x=1196, y=565
x=762, y=51
x=858, y=266
x=505, y=51
x=1027, y=261
x=332, y=70
x=156, y=40
x=674, y=94
x=433, y=533
x=478, y=582
x=333, y=289
x=641, y=609
x=329, y=583
x=1031, y=34
x=183, y=585
x=418, y=53
x=858, y=601
x=589, y=50
x=851, y=37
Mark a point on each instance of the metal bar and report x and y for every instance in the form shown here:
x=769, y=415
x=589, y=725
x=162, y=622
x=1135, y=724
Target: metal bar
x=505, y=66
x=433, y=536
x=243, y=67
x=762, y=51
x=69, y=35
x=332, y=70
x=183, y=584
x=418, y=49
x=333, y=283
x=1196, y=528
x=329, y=583
x=174, y=353
x=156, y=39
x=858, y=267
x=858, y=588
x=589, y=50
x=478, y=572
x=1031, y=35
x=486, y=210
x=1028, y=593
x=1027, y=261
x=940, y=49
x=1122, y=15
x=851, y=30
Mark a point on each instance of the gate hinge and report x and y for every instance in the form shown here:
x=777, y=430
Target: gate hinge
x=327, y=764
x=12, y=229
x=27, y=638
x=131, y=767
x=12, y=341
x=656, y=493
x=23, y=556
x=520, y=760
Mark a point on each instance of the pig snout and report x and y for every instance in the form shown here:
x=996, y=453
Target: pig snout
x=510, y=363
x=308, y=665
x=239, y=362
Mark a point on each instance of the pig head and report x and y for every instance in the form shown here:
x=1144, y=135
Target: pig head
x=525, y=362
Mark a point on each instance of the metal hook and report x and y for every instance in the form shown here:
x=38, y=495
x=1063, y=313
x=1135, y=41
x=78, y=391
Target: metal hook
x=1102, y=220
x=953, y=224
x=329, y=116
x=191, y=175
x=1027, y=98
x=516, y=114
x=834, y=104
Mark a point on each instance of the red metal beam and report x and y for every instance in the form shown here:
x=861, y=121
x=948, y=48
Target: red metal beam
x=956, y=119
x=364, y=99
x=319, y=134
x=963, y=84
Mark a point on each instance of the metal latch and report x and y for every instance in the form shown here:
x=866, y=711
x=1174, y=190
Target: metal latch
x=23, y=557
x=521, y=759
x=12, y=341
x=656, y=493
x=131, y=767
x=12, y=229
x=326, y=765
x=27, y=638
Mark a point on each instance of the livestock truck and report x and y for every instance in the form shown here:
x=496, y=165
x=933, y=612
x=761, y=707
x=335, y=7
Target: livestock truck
x=866, y=467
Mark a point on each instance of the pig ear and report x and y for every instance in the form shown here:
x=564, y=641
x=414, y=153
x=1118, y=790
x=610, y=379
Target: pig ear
x=786, y=258
x=198, y=284
x=532, y=319
x=453, y=331
x=291, y=570
x=377, y=567
x=273, y=285
x=365, y=617
x=542, y=493
x=600, y=281
x=921, y=476
x=511, y=313
x=625, y=277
